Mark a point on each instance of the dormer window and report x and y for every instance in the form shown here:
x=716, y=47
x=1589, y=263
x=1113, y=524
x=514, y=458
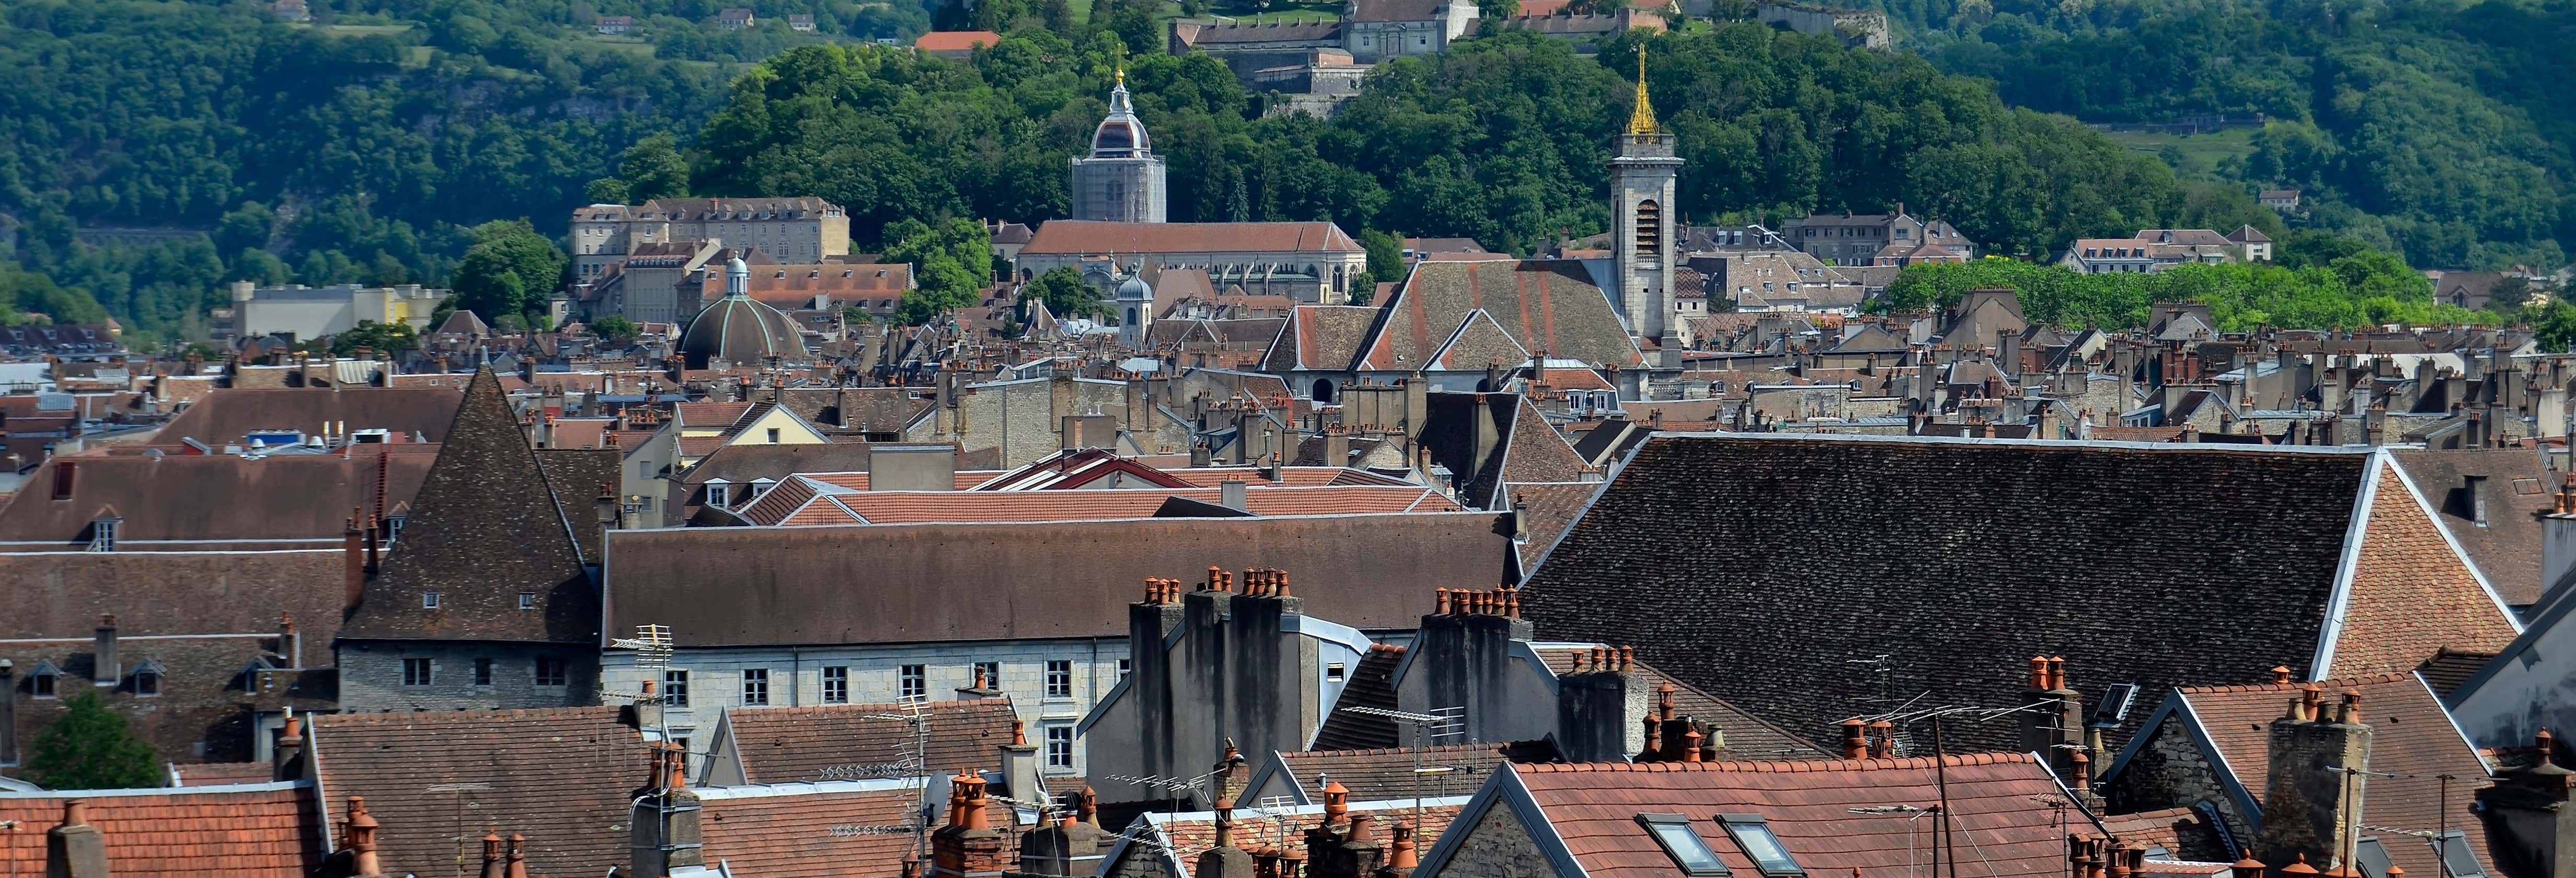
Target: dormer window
x=393, y=527
x=429, y=600
x=1682, y=843
x=102, y=534
x=1753, y=834
x=719, y=494
x=40, y=683
x=147, y=679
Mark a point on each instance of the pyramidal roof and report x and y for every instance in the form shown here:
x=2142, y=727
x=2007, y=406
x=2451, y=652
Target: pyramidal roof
x=486, y=527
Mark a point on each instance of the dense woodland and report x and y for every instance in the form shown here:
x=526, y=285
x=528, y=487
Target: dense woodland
x=380, y=144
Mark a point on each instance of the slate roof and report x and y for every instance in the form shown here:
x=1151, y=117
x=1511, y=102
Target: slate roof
x=1387, y=773
x=62, y=594
x=2410, y=736
x=214, y=498
x=899, y=583
x=1546, y=510
x=1747, y=736
x=1545, y=305
x=2000, y=797
x=226, y=415
x=486, y=527
x=436, y=781
x=2101, y=553
x=1073, y=237
x=798, y=744
x=1372, y=684
x=2519, y=490
x=268, y=830
x=1526, y=448
x=879, y=409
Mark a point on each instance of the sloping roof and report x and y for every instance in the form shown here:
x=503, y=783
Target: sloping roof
x=1371, y=685
x=956, y=40
x=2002, y=799
x=797, y=744
x=486, y=527
x=215, y=497
x=776, y=586
x=1545, y=305
x=1398, y=10
x=2098, y=552
x=437, y=780
x=1546, y=509
x=1320, y=337
x=1191, y=832
x=918, y=507
x=1076, y=237
x=2506, y=547
x=267, y=830
x=1478, y=343
x=225, y=415
x=1747, y=736
x=62, y=594
x=2411, y=736
x=1387, y=773
x=794, y=830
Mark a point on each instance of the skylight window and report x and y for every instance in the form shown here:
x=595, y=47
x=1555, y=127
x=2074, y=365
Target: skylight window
x=1683, y=844
x=1753, y=834
x=2457, y=858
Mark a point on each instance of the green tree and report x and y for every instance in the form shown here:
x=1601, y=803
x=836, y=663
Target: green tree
x=653, y=169
x=1497, y=10
x=615, y=329
x=510, y=269
x=90, y=748
x=389, y=338
x=1385, y=254
x=1065, y=294
x=2556, y=327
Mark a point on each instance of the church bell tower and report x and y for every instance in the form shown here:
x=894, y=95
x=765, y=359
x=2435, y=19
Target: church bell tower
x=1644, y=227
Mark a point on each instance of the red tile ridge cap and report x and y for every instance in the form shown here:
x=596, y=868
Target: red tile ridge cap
x=1385, y=647
x=1783, y=766
x=1389, y=751
x=2296, y=685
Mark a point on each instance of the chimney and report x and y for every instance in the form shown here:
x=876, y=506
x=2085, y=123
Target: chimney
x=966, y=846
x=1400, y=860
x=1333, y=853
x=75, y=849
x=375, y=538
x=492, y=854
x=105, y=669
x=1069, y=846
x=360, y=829
x=1225, y=860
x=2312, y=791
x=1337, y=447
x=2473, y=493
x=1020, y=766
x=1601, y=715
x=2534, y=801
x=1466, y=658
x=1230, y=495
x=1855, y=738
x=2558, y=536
x=518, y=857
x=353, y=556
x=1199, y=456
x=290, y=645
x=663, y=832
x=287, y=762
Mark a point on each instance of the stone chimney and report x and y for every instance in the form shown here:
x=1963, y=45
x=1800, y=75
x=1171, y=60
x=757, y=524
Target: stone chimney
x=1464, y=656
x=966, y=846
x=288, y=761
x=1067, y=847
x=1226, y=859
x=2056, y=730
x=2531, y=825
x=75, y=849
x=663, y=832
x=2558, y=536
x=353, y=557
x=2313, y=790
x=1601, y=713
x=106, y=670
x=1230, y=494
x=1020, y=766
x=1343, y=852
x=290, y=645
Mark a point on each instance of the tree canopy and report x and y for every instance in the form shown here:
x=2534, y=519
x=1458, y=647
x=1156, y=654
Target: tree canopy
x=90, y=748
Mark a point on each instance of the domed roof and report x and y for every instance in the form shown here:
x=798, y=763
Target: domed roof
x=1135, y=288
x=740, y=329
x=1122, y=135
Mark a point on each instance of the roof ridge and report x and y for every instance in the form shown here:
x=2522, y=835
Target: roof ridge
x=476, y=716
x=1784, y=766
x=2329, y=684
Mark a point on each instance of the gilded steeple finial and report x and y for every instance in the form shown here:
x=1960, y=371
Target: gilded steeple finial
x=1642, y=119
x=1122, y=74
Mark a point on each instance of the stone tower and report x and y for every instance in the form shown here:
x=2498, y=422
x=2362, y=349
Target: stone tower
x=1643, y=224
x=1121, y=181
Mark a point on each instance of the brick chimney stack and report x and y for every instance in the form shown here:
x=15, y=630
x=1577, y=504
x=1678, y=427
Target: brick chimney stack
x=75, y=849
x=966, y=846
x=2312, y=793
x=2055, y=728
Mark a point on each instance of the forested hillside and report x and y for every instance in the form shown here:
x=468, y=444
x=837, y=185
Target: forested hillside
x=2437, y=127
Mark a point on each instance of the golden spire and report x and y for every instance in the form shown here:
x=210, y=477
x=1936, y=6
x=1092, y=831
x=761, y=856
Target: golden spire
x=1642, y=120
x=1122, y=74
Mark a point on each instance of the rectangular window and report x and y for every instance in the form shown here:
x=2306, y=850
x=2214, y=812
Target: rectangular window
x=1059, y=678
x=482, y=672
x=1337, y=672
x=104, y=537
x=773, y=435
x=1753, y=834
x=415, y=672
x=913, y=681
x=755, y=686
x=988, y=674
x=1059, y=747
x=1682, y=843
x=42, y=684
x=527, y=600
x=147, y=682
x=429, y=600
x=836, y=685
x=675, y=688
x=1124, y=666
x=553, y=671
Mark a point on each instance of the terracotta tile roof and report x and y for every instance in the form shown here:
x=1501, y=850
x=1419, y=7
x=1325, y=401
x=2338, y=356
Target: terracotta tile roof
x=1998, y=798
x=224, y=416
x=2410, y=735
x=1289, y=476
x=216, y=774
x=436, y=781
x=2102, y=524
x=1075, y=237
x=2164, y=827
x=731, y=586
x=1189, y=833
x=203, y=497
x=701, y=415
x=264, y=831
x=2518, y=491
x=822, y=829
x=1544, y=305
x=956, y=41
x=1387, y=773
x=1747, y=736
x=694, y=447
x=797, y=744
x=801, y=507
x=2412, y=596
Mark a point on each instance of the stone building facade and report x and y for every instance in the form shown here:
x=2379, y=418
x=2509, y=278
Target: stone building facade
x=1121, y=180
x=789, y=230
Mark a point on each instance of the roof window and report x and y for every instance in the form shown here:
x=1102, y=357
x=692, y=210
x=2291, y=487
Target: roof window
x=2457, y=858
x=1683, y=844
x=1753, y=834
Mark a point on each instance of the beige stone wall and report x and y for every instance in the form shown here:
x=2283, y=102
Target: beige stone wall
x=1498, y=847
